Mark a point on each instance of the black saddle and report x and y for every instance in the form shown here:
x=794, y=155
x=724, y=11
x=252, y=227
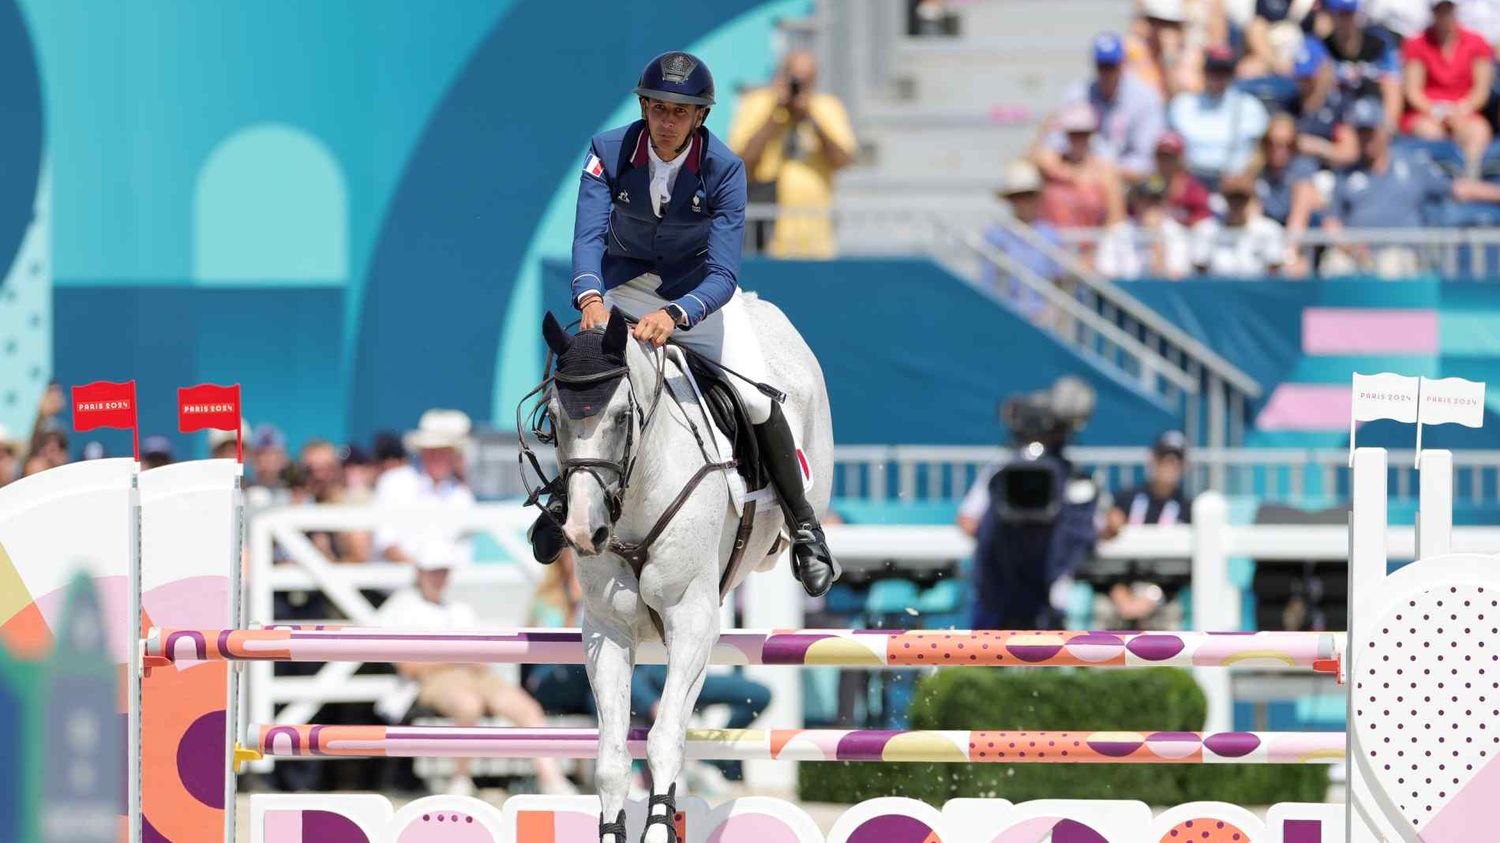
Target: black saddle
x=724, y=406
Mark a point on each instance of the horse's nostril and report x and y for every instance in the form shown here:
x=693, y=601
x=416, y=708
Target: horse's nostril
x=601, y=536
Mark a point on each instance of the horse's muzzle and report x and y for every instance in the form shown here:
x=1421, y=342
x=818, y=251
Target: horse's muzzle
x=589, y=544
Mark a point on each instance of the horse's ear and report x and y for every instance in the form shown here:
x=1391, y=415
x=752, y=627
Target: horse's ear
x=556, y=336
x=616, y=332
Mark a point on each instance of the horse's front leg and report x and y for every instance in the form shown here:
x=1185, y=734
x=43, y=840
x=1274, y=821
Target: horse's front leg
x=692, y=628
x=609, y=639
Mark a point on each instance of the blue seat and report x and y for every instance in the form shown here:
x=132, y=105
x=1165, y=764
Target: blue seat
x=1443, y=153
x=945, y=597
x=844, y=600
x=891, y=597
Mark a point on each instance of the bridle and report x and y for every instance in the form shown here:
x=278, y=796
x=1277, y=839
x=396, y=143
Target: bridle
x=543, y=428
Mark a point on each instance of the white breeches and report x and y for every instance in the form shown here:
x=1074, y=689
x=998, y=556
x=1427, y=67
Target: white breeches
x=724, y=335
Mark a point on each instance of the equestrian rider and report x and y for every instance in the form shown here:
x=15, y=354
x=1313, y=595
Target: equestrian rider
x=660, y=224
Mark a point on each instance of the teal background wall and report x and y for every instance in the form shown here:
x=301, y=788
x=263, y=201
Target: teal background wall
x=340, y=204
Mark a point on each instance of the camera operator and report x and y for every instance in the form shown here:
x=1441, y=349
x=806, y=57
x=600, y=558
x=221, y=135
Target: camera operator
x=1135, y=594
x=1034, y=518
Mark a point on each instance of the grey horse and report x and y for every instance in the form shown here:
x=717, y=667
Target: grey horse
x=631, y=459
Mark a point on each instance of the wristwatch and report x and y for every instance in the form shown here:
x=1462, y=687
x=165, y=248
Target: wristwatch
x=679, y=316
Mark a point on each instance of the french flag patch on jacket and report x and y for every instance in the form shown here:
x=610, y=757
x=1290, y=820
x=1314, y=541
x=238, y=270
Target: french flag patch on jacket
x=594, y=166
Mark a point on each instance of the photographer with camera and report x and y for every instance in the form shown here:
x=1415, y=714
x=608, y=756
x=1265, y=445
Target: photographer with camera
x=1033, y=517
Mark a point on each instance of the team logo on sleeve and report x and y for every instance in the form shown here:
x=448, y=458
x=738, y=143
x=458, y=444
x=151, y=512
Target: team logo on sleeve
x=594, y=166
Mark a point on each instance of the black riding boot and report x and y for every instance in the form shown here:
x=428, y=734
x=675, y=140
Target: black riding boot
x=546, y=535
x=813, y=564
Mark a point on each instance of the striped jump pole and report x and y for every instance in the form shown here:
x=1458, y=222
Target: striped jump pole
x=874, y=648
x=818, y=745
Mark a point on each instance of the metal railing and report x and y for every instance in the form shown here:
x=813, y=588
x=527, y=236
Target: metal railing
x=1450, y=253
x=932, y=473
x=943, y=473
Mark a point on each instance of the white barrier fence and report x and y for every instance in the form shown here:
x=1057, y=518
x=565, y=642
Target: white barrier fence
x=501, y=593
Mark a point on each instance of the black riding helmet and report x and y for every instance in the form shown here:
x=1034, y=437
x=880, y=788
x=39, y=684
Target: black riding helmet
x=677, y=77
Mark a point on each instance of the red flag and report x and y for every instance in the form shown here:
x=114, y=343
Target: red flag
x=209, y=406
x=106, y=404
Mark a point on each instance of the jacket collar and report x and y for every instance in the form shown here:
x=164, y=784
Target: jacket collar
x=637, y=138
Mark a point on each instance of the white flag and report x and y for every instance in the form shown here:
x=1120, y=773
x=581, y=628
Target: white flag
x=1383, y=396
x=1451, y=401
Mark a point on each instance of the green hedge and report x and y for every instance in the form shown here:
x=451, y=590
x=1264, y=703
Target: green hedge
x=1148, y=700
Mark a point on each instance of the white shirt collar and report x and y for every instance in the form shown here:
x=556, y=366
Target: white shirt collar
x=663, y=176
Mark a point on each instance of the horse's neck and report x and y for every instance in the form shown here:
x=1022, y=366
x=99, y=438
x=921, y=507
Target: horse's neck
x=667, y=454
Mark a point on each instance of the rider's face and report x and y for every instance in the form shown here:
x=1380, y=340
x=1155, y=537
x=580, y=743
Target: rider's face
x=670, y=123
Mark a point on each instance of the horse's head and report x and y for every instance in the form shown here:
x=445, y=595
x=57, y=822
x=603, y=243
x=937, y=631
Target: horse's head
x=593, y=412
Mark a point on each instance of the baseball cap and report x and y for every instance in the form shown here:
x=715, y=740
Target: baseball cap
x=268, y=435
x=1366, y=114
x=1220, y=59
x=1337, y=6
x=1021, y=176
x=156, y=445
x=1078, y=117
x=1309, y=59
x=1171, y=142
x=1170, y=442
x=1108, y=49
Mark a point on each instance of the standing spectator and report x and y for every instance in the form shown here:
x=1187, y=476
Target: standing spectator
x=793, y=138
x=1136, y=597
x=464, y=693
x=1246, y=244
x=1280, y=173
x=1388, y=188
x=10, y=456
x=1022, y=190
x=439, y=440
x=1221, y=124
x=1447, y=72
x=1319, y=108
x=1082, y=189
x=1364, y=65
x=1131, y=114
x=1150, y=244
x=1187, y=198
x=156, y=451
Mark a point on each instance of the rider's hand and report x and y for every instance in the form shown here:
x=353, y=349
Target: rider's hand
x=595, y=314
x=655, y=327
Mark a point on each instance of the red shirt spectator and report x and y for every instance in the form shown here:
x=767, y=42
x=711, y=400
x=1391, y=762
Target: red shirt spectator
x=1187, y=198
x=1450, y=71
x=1447, y=76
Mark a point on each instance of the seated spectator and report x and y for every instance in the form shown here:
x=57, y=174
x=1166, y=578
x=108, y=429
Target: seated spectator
x=1388, y=188
x=1158, y=52
x=1280, y=173
x=439, y=440
x=1219, y=125
x=389, y=451
x=1136, y=597
x=268, y=461
x=793, y=138
x=1150, y=244
x=226, y=444
x=1365, y=65
x=1272, y=38
x=1022, y=190
x=1081, y=189
x=1187, y=198
x=1246, y=244
x=360, y=474
x=10, y=456
x=463, y=693
x=1130, y=112
x=35, y=464
x=1319, y=109
x=1447, y=72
